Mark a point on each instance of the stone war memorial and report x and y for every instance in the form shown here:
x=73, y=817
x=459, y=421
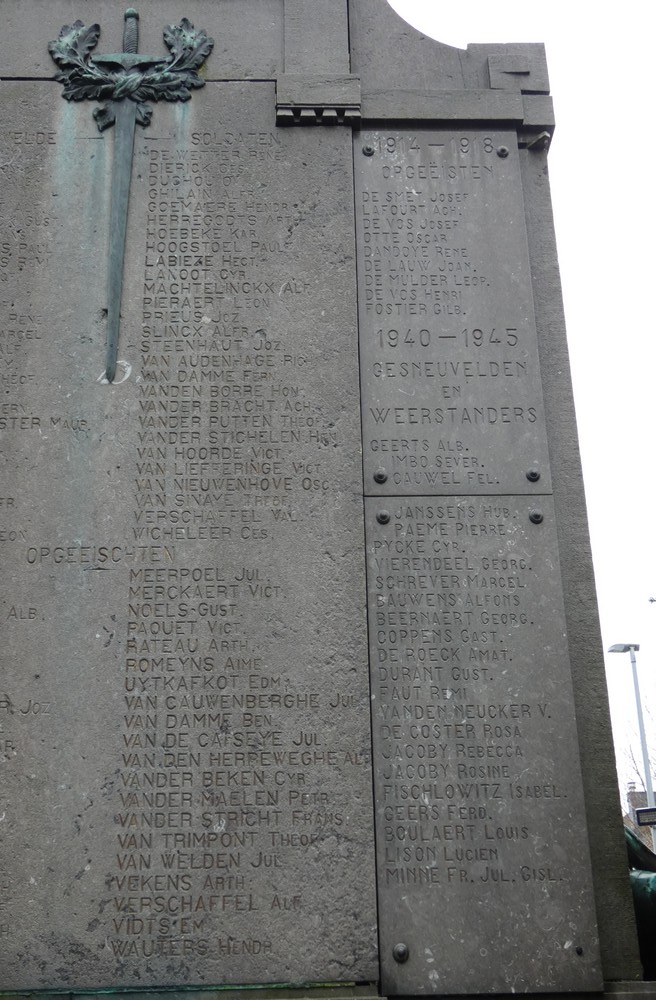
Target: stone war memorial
x=301, y=677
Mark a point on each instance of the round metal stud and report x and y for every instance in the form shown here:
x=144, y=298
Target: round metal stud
x=502, y=151
x=401, y=953
x=368, y=150
x=380, y=476
x=383, y=517
x=536, y=517
x=532, y=475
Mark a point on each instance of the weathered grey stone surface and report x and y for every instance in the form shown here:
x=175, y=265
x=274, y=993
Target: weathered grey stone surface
x=185, y=547
x=614, y=905
x=184, y=705
x=452, y=398
x=478, y=792
x=248, y=37
x=389, y=55
x=411, y=63
x=467, y=625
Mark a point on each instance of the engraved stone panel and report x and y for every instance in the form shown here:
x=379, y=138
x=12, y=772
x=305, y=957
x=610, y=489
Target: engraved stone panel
x=186, y=785
x=188, y=775
x=452, y=401
x=483, y=869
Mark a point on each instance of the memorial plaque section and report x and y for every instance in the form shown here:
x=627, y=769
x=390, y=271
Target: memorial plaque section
x=452, y=399
x=483, y=870
x=184, y=707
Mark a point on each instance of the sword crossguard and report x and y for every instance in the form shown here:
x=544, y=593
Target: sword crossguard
x=131, y=31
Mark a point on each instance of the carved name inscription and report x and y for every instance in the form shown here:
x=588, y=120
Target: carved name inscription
x=211, y=750
x=450, y=368
x=475, y=747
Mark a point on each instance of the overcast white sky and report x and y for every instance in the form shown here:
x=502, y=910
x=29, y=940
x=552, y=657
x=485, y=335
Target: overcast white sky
x=602, y=167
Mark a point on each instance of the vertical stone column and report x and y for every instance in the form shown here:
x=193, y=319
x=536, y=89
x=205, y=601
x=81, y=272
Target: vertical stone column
x=472, y=477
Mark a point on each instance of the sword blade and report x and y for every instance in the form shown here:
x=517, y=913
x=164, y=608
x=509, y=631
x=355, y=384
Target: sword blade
x=126, y=117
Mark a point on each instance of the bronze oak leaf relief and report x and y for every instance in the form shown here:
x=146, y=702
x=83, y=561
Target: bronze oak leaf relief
x=128, y=75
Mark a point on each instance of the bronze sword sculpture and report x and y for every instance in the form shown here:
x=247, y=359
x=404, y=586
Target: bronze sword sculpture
x=126, y=80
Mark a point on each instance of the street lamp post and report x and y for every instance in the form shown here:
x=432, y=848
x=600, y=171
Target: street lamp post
x=631, y=648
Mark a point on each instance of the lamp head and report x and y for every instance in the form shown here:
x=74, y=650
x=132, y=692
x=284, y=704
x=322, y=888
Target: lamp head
x=624, y=647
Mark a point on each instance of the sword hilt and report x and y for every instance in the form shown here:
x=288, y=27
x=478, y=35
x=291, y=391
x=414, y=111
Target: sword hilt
x=131, y=31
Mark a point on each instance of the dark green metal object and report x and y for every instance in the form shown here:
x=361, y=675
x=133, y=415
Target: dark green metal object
x=126, y=81
x=642, y=863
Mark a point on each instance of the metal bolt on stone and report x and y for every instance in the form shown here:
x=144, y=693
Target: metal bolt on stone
x=401, y=953
x=540, y=143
